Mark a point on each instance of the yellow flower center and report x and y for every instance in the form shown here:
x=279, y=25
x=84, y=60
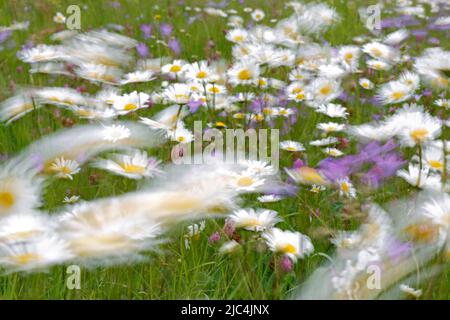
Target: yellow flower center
x=259, y=117
x=262, y=82
x=214, y=89
x=397, y=95
x=291, y=149
x=419, y=134
x=25, y=258
x=131, y=168
x=175, y=68
x=325, y=90
x=25, y=107
x=288, y=248
x=181, y=97
x=84, y=112
x=201, y=75
x=376, y=52
x=238, y=38
x=300, y=96
x=220, y=124
x=442, y=81
x=422, y=232
x=345, y=187
x=267, y=111
x=436, y=164
x=245, y=181
x=54, y=99
x=244, y=75
x=6, y=200
x=332, y=153
x=105, y=61
x=181, y=139
x=311, y=175
x=66, y=170
x=130, y=107
x=348, y=56
x=251, y=223
x=22, y=235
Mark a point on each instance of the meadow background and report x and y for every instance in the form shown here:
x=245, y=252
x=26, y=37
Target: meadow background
x=200, y=272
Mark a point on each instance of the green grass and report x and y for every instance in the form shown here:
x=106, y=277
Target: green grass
x=176, y=273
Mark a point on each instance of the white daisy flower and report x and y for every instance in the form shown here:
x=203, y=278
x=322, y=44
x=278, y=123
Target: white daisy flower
x=258, y=15
x=181, y=134
x=39, y=253
x=324, y=142
x=197, y=71
x=366, y=83
x=130, y=102
x=378, y=65
x=324, y=90
x=333, y=152
x=135, y=165
x=71, y=200
x=114, y=133
x=261, y=168
x=245, y=181
x=410, y=291
x=59, y=18
x=346, y=188
x=332, y=110
x=65, y=169
x=292, y=146
x=254, y=220
x=178, y=93
x=194, y=231
x=330, y=127
x=268, y=198
x=396, y=37
x=174, y=68
x=395, y=92
x=444, y=103
x=420, y=178
x=237, y=35
x=137, y=76
x=293, y=244
x=243, y=73
x=381, y=51
x=229, y=247
x=24, y=227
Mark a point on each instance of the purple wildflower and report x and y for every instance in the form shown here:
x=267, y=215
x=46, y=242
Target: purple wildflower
x=165, y=29
x=286, y=264
x=175, y=46
x=142, y=50
x=214, y=238
x=146, y=30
